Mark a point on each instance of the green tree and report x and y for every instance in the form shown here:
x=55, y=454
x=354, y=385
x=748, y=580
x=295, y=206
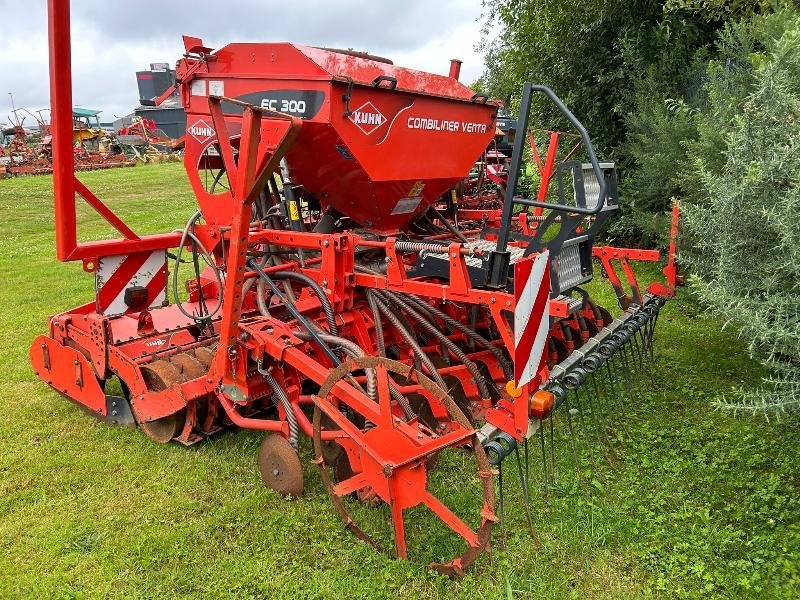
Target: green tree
x=576, y=48
x=744, y=226
x=615, y=63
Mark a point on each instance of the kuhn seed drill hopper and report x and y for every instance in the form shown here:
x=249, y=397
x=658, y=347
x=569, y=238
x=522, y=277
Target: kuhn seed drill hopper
x=328, y=298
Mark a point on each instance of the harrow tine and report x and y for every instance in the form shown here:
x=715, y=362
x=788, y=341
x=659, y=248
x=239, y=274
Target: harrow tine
x=636, y=351
x=628, y=347
x=650, y=330
x=646, y=347
x=593, y=419
x=618, y=398
x=616, y=384
x=602, y=412
x=501, y=512
x=587, y=441
x=642, y=323
x=553, y=469
x=552, y=452
x=639, y=351
x=581, y=478
x=544, y=461
x=654, y=310
x=527, y=467
x=523, y=480
x=609, y=396
x=626, y=372
x=648, y=360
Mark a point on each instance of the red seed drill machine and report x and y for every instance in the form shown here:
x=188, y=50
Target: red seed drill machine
x=327, y=297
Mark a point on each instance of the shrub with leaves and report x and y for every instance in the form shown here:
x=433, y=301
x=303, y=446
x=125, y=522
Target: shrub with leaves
x=745, y=227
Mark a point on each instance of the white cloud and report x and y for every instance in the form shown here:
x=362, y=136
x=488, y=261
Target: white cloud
x=111, y=40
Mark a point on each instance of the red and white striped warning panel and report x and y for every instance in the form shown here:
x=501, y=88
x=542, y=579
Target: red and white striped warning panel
x=140, y=273
x=496, y=174
x=531, y=315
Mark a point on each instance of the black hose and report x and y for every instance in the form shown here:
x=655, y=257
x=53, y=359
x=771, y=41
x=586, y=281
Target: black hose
x=327, y=307
x=449, y=226
x=394, y=320
x=507, y=366
x=480, y=380
x=207, y=257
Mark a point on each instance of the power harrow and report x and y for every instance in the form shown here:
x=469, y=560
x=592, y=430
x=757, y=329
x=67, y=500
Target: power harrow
x=318, y=291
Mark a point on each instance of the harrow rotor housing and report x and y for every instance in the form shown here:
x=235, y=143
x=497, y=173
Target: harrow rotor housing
x=331, y=298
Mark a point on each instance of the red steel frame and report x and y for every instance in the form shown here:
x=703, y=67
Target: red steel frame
x=242, y=343
x=65, y=183
x=256, y=163
x=247, y=177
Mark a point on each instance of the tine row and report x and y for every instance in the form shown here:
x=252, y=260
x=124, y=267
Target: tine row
x=595, y=388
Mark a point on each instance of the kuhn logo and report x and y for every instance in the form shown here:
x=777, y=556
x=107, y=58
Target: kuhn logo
x=367, y=118
x=201, y=131
x=155, y=343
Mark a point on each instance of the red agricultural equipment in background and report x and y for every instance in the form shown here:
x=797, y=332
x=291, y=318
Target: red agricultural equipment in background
x=327, y=297
x=93, y=148
x=145, y=138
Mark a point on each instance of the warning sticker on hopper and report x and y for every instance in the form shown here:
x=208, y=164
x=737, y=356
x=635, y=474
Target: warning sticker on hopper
x=416, y=190
x=406, y=205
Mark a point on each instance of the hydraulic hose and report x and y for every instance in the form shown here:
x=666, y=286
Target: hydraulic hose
x=261, y=299
x=357, y=351
x=449, y=226
x=508, y=368
x=352, y=349
x=187, y=233
x=480, y=380
x=376, y=317
x=327, y=307
x=295, y=313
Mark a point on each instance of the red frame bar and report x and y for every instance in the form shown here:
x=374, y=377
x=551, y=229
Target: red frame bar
x=65, y=184
x=58, y=25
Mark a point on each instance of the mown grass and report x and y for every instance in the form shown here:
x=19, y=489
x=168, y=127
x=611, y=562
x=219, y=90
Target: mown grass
x=702, y=503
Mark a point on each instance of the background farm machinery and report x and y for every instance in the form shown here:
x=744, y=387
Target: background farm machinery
x=30, y=153
x=146, y=142
x=327, y=297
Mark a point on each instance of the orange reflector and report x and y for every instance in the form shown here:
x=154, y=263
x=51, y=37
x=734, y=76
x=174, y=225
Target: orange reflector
x=513, y=390
x=541, y=404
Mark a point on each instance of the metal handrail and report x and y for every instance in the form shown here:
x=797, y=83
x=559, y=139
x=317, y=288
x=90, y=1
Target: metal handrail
x=499, y=259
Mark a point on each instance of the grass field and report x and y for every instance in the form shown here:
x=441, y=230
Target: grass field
x=703, y=503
